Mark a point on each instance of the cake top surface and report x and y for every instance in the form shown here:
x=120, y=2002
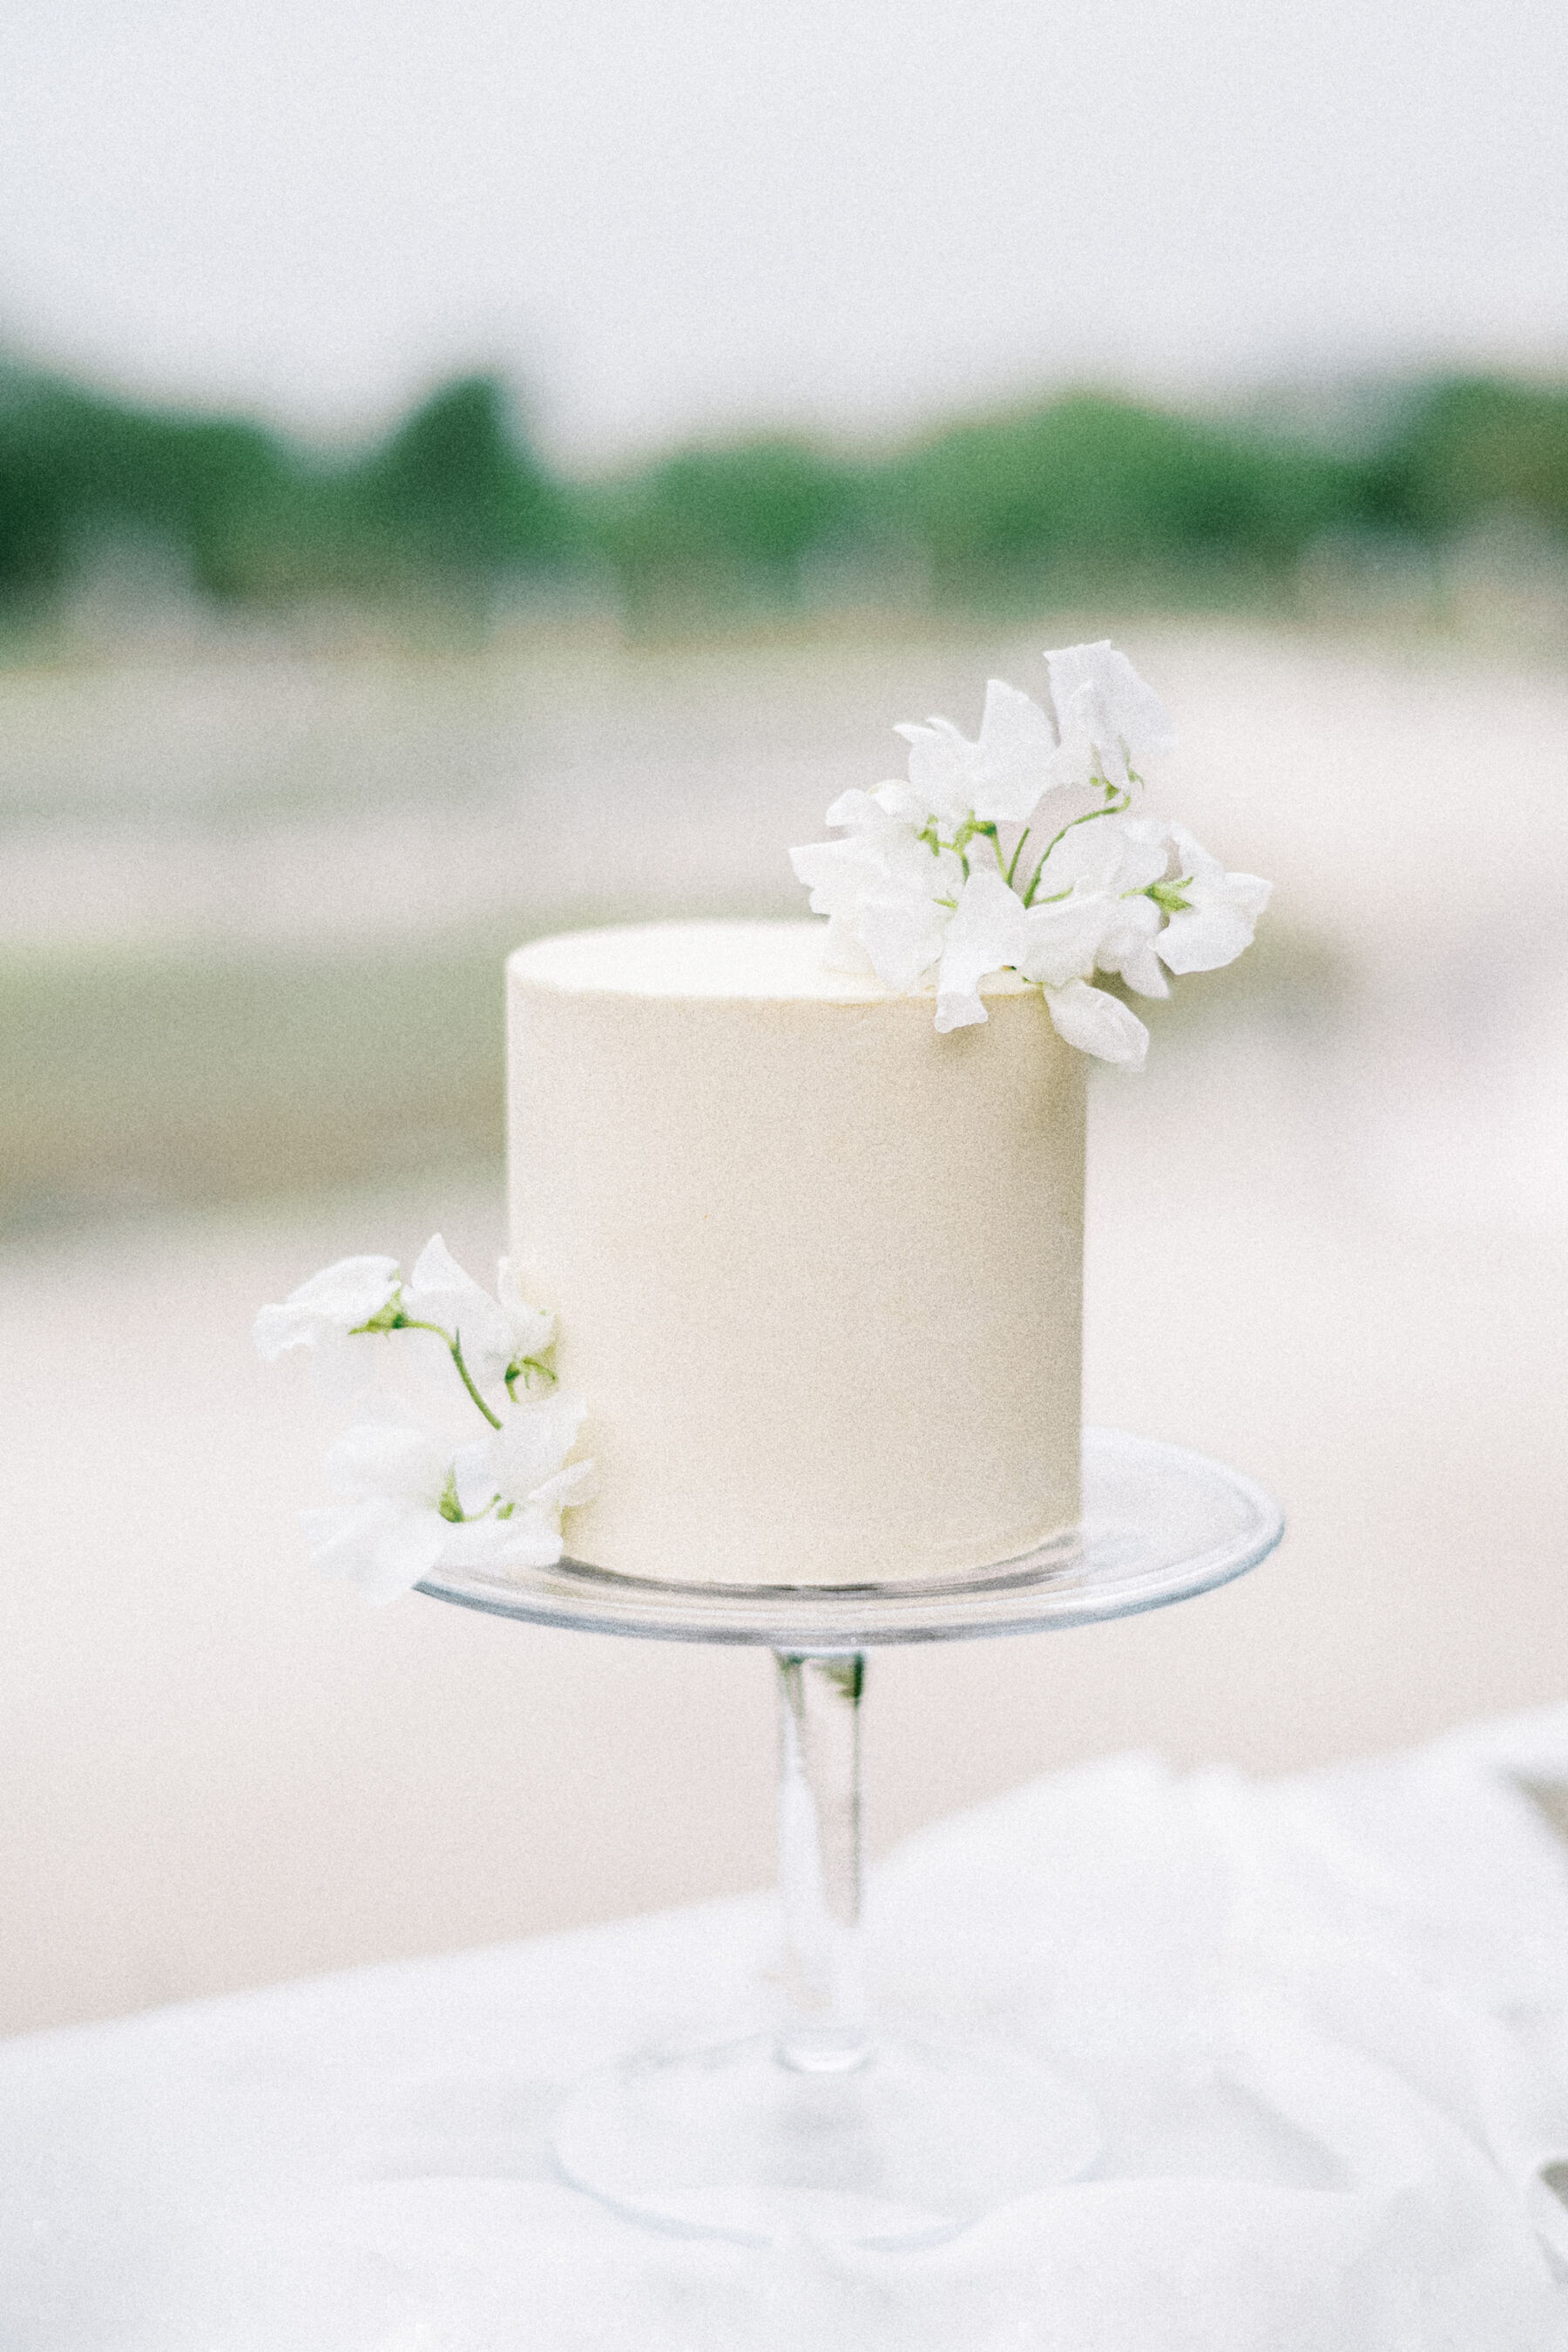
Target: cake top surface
x=774, y=962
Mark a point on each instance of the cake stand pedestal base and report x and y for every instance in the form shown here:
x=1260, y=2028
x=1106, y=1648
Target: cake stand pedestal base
x=824, y=2129
x=906, y=2148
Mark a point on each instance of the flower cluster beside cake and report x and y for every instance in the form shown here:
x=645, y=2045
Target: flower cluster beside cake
x=798, y=1207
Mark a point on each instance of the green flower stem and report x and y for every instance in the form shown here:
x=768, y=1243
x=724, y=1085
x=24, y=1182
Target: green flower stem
x=972, y=829
x=452, y=1511
x=1113, y=807
x=463, y=1374
x=454, y=1343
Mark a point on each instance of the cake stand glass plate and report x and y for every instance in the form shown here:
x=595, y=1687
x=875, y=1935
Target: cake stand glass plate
x=824, y=2128
x=1159, y=1524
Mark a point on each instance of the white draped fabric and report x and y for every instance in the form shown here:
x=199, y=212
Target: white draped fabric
x=1326, y=2018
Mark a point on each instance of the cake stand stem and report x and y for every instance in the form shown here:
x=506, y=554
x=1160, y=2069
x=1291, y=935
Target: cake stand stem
x=825, y=2023
x=814, y=2130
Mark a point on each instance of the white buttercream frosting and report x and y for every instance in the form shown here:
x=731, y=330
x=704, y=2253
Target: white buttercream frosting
x=818, y=1270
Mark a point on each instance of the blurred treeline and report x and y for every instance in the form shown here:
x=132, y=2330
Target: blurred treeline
x=1082, y=494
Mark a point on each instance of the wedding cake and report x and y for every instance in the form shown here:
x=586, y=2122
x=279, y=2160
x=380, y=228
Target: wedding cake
x=818, y=1268
x=795, y=1289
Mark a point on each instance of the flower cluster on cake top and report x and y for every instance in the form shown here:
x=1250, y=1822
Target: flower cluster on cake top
x=1028, y=849
x=415, y=1500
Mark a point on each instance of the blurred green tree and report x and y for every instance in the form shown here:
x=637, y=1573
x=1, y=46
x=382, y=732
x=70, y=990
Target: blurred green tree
x=1100, y=488
x=1472, y=448
x=1084, y=495
x=704, y=524
x=455, y=488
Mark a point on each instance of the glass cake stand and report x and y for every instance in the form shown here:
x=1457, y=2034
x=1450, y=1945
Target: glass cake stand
x=822, y=2128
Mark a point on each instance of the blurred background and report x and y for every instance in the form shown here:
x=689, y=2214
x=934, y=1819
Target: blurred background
x=466, y=471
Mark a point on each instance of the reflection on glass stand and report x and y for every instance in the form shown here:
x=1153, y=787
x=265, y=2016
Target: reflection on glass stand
x=824, y=2127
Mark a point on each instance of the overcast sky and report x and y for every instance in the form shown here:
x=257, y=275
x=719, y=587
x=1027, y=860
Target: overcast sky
x=680, y=216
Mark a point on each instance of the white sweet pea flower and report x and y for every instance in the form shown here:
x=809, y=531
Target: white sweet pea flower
x=328, y=1315
x=521, y=1469
x=1057, y=946
x=532, y=1327
x=841, y=874
x=901, y=930
x=1097, y=1024
x=1213, y=913
x=439, y=1292
x=999, y=777
x=986, y=934
x=1129, y=946
x=1087, y=913
x=884, y=890
x=402, y=1518
x=1083, y=889
x=922, y=882
x=1111, y=723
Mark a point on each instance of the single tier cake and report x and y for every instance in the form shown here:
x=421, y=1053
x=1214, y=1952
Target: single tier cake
x=794, y=1296
x=818, y=1269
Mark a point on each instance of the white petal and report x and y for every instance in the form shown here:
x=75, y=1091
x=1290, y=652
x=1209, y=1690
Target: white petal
x=578, y=1483
x=1097, y=1024
x=276, y=1328
x=381, y=1458
x=1128, y=947
x=842, y=951
x=1013, y=758
x=1153, y=833
x=1061, y=941
x=474, y=1476
x=405, y=1553
x=986, y=934
x=1087, y=856
x=1218, y=923
x=530, y=1538
x=903, y=934
x=1146, y=852
x=339, y=1536
x=1204, y=938
x=1190, y=858
x=836, y=872
x=438, y=1291
x=532, y=1328
x=351, y=1291
x=474, y=1543
x=1079, y=721
x=383, y=1549
x=902, y=805
x=857, y=811
x=344, y=1364
x=435, y=1268
x=1110, y=856
x=961, y=1008
x=337, y=1299
x=1140, y=970
x=1143, y=971
x=532, y=1443
x=1137, y=920
x=939, y=767
x=1128, y=719
x=1250, y=893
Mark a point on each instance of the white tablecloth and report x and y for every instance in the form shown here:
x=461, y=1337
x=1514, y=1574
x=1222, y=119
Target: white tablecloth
x=1327, y=2019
